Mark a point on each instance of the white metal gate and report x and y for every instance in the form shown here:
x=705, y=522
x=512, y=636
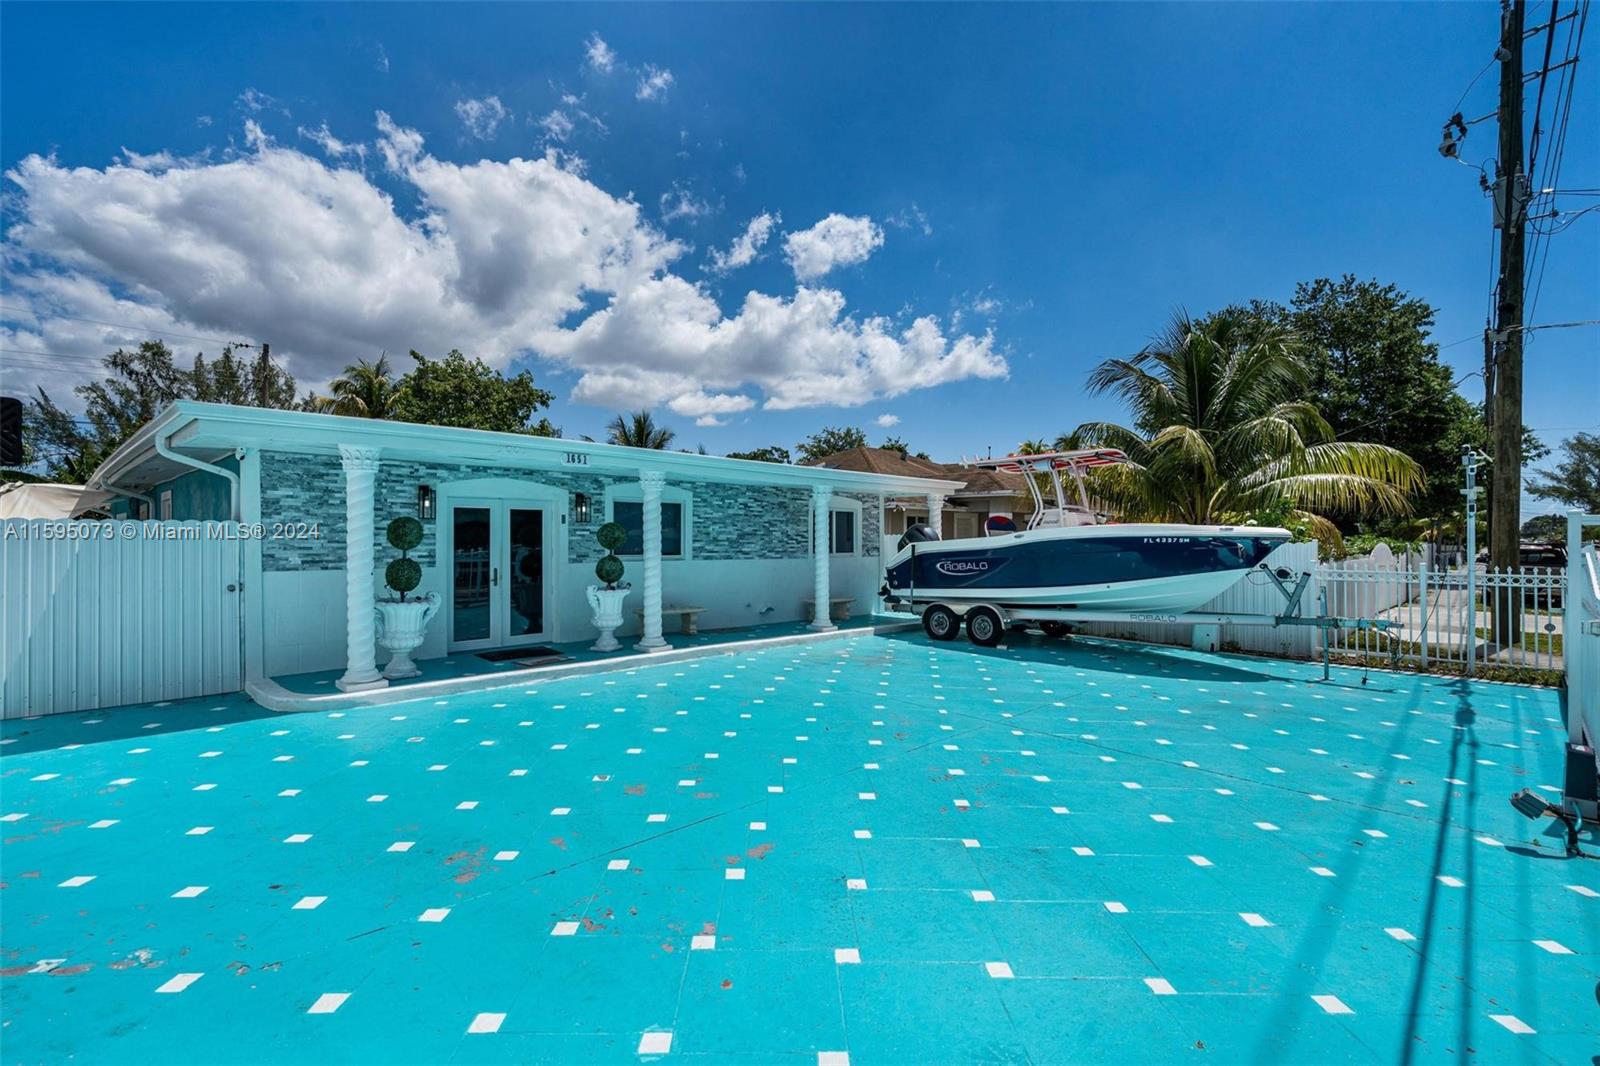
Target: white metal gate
x=99, y=614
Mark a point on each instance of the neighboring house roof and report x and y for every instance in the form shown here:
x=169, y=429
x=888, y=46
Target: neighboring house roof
x=889, y=461
x=206, y=431
x=42, y=500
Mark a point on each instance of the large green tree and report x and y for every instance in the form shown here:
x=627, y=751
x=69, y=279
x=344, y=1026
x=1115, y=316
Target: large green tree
x=772, y=453
x=1375, y=376
x=136, y=385
x=1575, y=481
x=457, y=391
x=827, y=441
x=638, y=430
x=1222, y=431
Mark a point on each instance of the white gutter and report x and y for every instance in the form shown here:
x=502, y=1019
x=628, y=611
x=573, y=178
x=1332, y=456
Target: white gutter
x=166, y=452
x=106, y=486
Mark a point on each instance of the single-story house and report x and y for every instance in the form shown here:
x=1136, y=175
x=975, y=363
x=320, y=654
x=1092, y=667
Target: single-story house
x=961, y=513
x=509, y=529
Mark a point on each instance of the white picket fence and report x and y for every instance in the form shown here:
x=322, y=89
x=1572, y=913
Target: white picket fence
x=100, y=614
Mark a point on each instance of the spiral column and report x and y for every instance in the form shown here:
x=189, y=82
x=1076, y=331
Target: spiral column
x=360, y=480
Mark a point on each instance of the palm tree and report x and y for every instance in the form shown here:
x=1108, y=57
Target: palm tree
x=638, y=430
x=1221, y=434
x=367, y=390
x=1037, y=446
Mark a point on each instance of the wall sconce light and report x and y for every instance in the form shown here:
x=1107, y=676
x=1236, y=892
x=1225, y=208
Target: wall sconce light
x=580, y=509
x=425, y=501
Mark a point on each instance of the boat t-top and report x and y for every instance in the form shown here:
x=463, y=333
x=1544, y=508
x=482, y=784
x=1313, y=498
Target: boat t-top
x=1070, y=557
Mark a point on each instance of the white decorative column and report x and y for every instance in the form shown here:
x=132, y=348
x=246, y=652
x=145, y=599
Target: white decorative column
x=360, y=476
x=820, y=617
x=651, y=482
x=936, y=512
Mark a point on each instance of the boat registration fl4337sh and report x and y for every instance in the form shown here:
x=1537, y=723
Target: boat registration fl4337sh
x=1070, y=558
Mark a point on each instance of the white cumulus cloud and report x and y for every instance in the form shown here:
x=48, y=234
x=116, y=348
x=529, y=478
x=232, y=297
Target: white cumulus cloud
x=332, y=146
x=599, y=55
x=557, y=125
x=654, y=81
x=888, y=420
x=746, y=246
x=482, y=117
x=504, y=259
x=837, y=240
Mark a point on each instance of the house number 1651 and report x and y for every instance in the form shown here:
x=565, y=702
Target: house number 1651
x=577, y=459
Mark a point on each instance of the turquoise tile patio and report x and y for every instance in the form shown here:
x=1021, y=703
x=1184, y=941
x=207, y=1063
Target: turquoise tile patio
x=869, y=850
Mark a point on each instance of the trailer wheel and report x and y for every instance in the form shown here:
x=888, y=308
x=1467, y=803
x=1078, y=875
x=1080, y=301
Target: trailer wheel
x=1054, y=629
x=984, y=626
x=940, y=622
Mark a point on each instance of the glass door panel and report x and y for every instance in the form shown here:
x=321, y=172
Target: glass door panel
x=525, y=541
x=472, y=565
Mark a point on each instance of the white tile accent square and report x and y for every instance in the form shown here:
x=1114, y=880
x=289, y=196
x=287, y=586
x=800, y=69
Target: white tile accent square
x=833, y=1058
x=564, y=929
x=309, y=903
x=1200, y=860
x=433, y=914
x=759, y=827
x=855, y=884
x=179, y=982
x=1332, y=1004
x=1160, y=986
x=1255, y=921
x=486, y=1023
x=328, y=1002
x=297, y=838
x=734, y=873
x=656, y=818
x=1513, y=1023
x=655, y=1043
x=402, y=845
x=1554, y=947
x=863, y=834
x=194, y=890
x=617, y=864
x=982, y=895
x=506, y=856
x=702, y=943
x=999, y=970
x=1323, y=871
x=1116, y=908
x=846, y=956
x=77, y=882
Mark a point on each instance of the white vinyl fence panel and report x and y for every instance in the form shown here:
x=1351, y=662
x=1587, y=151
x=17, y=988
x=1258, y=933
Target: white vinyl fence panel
x=1583, y=634
x=99, y=614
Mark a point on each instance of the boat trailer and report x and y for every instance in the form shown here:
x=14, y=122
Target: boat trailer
x=986, y=623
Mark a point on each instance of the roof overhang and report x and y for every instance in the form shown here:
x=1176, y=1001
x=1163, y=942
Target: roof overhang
x=207, y=431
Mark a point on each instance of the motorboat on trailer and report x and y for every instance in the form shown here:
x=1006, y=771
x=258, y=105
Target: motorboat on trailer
x=1069, y=558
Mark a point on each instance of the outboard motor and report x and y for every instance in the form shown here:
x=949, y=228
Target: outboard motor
x=919, y=533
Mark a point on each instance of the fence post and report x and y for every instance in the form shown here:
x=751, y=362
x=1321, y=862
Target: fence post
x=1422, y=579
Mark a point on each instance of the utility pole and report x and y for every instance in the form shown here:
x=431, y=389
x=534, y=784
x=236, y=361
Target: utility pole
x=263, y=374
x=1505, y=420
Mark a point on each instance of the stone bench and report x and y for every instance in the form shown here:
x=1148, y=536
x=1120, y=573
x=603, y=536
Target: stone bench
x=686, y=617
x=838, y=607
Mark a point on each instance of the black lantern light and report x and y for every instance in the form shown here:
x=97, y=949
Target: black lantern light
x=425, y=501
x=580, y=509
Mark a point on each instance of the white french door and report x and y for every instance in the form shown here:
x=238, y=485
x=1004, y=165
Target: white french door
x=498, y=586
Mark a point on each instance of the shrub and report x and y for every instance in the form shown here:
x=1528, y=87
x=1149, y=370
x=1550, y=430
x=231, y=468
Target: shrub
x=609, y=569
x=403, y=574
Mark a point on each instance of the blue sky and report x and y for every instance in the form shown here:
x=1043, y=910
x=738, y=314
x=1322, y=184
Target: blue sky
x=1038, y=186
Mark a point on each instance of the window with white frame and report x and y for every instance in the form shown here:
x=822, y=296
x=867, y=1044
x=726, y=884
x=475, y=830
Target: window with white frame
x=844, y=528
x=625, y=506
x=166, y=503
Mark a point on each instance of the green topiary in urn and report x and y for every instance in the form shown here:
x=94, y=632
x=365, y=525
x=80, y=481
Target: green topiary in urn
x=403, y=574
x=609, y=569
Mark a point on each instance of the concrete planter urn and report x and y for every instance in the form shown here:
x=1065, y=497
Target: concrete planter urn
x=401, y=629
x=606, y=600
x=402, y=624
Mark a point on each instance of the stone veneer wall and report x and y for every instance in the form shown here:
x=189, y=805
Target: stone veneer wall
x=730, y=521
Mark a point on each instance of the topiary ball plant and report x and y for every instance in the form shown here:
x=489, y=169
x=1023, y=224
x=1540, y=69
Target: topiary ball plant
x=403, y=574
x=609, y=569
